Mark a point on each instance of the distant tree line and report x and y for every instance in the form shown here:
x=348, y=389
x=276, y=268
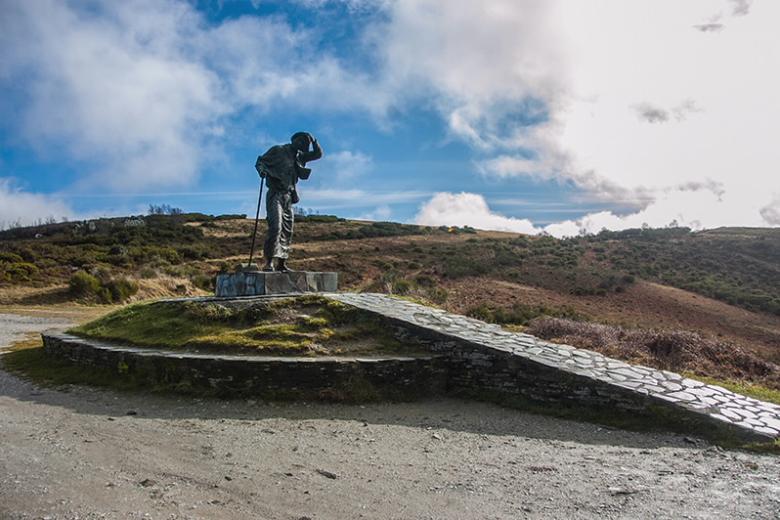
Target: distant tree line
x=163, y=209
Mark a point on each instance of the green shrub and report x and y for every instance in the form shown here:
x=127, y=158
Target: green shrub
x=203, y=281
x=402, y=286
x=148, y=272
x=84, y=285
x=18, y=271
x=101, y=287
x=10, y=258
x=117, y=290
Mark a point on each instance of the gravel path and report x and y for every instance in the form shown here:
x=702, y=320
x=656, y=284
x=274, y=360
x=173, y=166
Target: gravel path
x=83, y=453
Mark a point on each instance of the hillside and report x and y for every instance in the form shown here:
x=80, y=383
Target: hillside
x=723, y=284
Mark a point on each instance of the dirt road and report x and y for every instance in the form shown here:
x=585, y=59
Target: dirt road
x=83, y=453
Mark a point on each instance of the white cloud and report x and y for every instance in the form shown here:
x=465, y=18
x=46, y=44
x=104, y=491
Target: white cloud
x=558, y=90
x=468, y=209
x=112, y=87
x=381, y=213
x=596, y=69
x=25, y=208
x=475, y=60
x=138, y=90
x=346, y=165
x=771, y=212
x=448, y=209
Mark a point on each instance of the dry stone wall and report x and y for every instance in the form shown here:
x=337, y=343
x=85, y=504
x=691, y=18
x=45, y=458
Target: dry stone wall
x=339, y=378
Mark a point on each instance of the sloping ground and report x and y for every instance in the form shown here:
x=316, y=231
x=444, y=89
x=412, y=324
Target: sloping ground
x=643, y=305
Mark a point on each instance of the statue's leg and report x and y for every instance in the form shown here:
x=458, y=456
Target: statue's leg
x=274, y=211
x=286, y=232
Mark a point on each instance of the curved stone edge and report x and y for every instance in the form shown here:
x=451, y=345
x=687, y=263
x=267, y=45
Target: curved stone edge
x=484, y=357
x=334, y=378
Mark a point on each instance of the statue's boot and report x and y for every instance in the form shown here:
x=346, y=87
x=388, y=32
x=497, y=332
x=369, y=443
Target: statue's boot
x=269, y=266
x=281, y=265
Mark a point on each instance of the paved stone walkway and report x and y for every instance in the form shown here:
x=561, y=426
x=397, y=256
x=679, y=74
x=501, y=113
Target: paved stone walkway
x=756, y=416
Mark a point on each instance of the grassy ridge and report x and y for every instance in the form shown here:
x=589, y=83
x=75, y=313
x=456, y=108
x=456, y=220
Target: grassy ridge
x=737, y=265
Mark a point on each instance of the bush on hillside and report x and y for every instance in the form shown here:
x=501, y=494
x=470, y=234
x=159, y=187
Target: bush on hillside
x=17, y=271
x=83, y=285
x=101, y=288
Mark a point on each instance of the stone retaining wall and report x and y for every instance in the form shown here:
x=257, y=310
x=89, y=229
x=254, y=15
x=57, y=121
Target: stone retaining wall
x=339, y=378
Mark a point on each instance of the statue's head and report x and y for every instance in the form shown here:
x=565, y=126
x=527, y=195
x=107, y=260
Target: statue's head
x=300, y=141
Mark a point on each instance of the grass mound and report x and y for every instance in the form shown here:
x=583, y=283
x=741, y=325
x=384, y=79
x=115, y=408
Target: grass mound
x=306, y=325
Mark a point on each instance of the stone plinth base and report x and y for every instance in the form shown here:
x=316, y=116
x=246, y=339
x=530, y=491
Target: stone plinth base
x=257, y=283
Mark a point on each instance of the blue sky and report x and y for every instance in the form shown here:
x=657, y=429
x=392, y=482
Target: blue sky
x=503, y=114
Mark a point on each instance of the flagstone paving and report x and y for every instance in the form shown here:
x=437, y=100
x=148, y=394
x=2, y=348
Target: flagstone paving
x=757, y=417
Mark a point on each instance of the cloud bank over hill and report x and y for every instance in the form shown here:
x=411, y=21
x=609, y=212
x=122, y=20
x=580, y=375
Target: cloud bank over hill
x=642, y=110
x=20, y=207
x=667, y=110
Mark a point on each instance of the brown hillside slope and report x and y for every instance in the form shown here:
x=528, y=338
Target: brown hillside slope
x=623, y=278
x=643, y=305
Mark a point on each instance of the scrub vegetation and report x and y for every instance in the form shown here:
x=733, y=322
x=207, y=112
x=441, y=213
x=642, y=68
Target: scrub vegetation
x=719, y=286
x=720, y=360
x=739, y=266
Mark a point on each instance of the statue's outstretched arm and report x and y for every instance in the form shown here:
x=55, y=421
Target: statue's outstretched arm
x=315, y=153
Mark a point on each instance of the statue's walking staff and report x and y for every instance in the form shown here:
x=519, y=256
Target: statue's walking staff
x=257, y=219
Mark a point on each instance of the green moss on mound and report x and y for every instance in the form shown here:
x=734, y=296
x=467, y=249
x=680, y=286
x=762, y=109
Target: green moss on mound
x=306, y=325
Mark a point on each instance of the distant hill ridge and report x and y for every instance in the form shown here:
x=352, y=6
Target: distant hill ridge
x=740, y=266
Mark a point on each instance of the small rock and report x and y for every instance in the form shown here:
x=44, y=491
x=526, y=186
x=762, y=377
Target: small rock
x=147, y=482
x=228, y=478
x=327, y=474
x=437, y=436
x=131, y=412
x=621, y=491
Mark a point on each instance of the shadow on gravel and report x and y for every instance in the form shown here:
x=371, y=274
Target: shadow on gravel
x=435, y=414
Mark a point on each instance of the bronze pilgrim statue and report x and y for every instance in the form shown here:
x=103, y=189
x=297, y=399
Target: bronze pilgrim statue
x=281, y=167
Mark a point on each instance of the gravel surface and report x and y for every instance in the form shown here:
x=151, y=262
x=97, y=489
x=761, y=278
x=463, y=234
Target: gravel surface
x=84, y=453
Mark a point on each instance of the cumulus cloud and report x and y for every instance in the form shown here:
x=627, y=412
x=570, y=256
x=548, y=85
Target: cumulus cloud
x=655, y=114
x=740, y=7
x=590, y=130
x=652, y=114
x=346, y=165
x=670, y=208
x=468, y=209
x=25, y=208
x=771, y=212
x=138, y=90
x=476, y=60
x=709, y=27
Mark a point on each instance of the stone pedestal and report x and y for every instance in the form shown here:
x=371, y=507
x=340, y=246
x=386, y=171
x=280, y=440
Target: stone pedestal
x=256, y=283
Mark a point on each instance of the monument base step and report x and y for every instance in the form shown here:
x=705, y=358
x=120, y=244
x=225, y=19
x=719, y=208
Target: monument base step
x=258, y=283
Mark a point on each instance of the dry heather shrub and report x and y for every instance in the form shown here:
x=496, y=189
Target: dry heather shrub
x=665, y=349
